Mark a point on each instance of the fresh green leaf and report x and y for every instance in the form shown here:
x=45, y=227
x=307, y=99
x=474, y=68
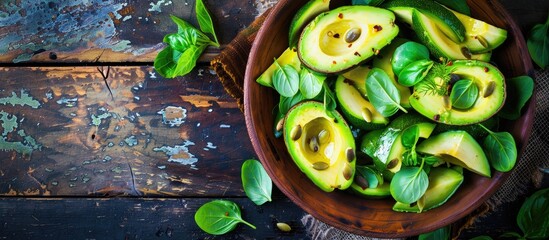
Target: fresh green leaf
x=410, y=136
x=482, y=238
x=205, y=20
x=330, y=103
x=409, y=184
x=187, y=60
x=286, y=80
x=382, y=93
x=165, y=62
x=286, y=103
x=185, y=39
x=457, y=5
x=310, y=84
x=500, y=149
x=439, y=234
x=256, y=182
x=219, y=217
x=538, y=44
x=511, y=235
x=519, y=90
x=181, y=24
x=407, y=53
x=464, y=94
x=414, y=72
x=533, y=216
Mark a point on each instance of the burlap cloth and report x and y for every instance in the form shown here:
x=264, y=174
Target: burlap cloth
x=230, y=66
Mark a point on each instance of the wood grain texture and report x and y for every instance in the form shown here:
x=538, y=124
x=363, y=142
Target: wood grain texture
x=66, y=135
x=105, y=31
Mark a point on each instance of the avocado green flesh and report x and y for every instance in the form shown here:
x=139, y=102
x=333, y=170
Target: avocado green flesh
x=288, y=57
x=491, y=84
x=447, y=22
x=353, y=105
x=381, y=191
x=439, y=44
x=333, y=149
x=324, y=46
x=480, y=36
x=459, y=148
x=304, y=15
x=443, y=183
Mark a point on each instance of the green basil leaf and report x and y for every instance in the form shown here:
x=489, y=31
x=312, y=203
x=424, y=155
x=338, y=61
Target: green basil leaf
x=181, y=24
x=330, y=103
x=310, y=84
x=439, y=234
x=464, y=94
x=382, y=93
x=457, y=5
x=286, y=80
x=538, y=44
x=410, y=136
x=205, y=20
x=256, y=182
x=409, y=184
x=187, y=60
x=165, y=62
x=533, y=216
x=414, y=72
x=219, y=217
x=186, y=38
x=407, y=53
x=519, y=90
x=288, y=102
x=511, y=235
x=500, y=149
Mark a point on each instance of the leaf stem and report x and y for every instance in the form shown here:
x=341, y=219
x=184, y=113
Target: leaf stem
x=247, y=223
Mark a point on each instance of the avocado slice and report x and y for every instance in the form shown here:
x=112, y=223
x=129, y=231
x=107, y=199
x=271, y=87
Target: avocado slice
x=342, y=38
x=436, y=105
x=304, y=15
x=447, y=22
x=443, y=183
x=438, y=43
x=481, y=37
x=459, y=148
x=289, y=56
x=321, y=145
x=355, y=106
x=369, y=183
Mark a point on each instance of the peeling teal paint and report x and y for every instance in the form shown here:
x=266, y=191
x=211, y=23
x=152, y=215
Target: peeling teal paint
x=173, y=116
x=68, y=102
x=179, y=153
x=24, y=100
x=10, y=125
x=96, y=120
x=155, y=7
x=131, y=141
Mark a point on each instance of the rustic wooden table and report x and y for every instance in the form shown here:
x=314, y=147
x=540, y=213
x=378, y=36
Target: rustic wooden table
x=79, y=162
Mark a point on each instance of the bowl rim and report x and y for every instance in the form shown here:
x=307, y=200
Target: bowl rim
x=525, y=120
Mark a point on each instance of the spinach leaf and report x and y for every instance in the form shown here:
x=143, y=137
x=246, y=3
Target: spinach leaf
x=382, y=93
x=533, y=216
x=464, y=94
x=409, y=184
x=286, y=103
x=410, y=136
x=205, y=20
x=407, y=53
x=414, y=72
x=310, y=84
x=538, y=44
x=256, y=182
x=457, y=5
x=330, y=103
x=519, y=90
x=439, y=234
x=501, y=150
x=286, y=80
x=219, y=217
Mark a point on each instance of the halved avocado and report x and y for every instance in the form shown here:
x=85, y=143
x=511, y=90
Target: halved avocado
x=304, y=15
x=480, y=36
x=339, y=39
x=447, y=22
x=321, y=145
x=443, y=183
x=438, y=107
x=459, y=148
x=288, y=57
x=355, y=106
x=438, y=43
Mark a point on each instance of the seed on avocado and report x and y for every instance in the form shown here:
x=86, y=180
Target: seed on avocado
x=489, y=89
x=347, y=172
x=454, y=78
x=320, y=166
x=280, y=124
x=295, y=134
x=466, y=52
x=283, y=227
x=367, y=115
x=350, y=153
x=313, y=144
x=330, y=34
x=447, y=102
x=377, y=28
x=362, y=182
x=352, y=35
x=482, y=41
x=392, y=164
x=323, y=136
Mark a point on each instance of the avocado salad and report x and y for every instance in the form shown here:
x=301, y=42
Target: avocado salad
x=391, y=99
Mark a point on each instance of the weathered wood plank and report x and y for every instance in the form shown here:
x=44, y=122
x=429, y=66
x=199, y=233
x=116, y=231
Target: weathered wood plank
x=63, y=133
x=105, y=31
x=137, y=218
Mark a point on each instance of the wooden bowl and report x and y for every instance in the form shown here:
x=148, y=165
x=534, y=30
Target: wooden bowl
x=340, y=209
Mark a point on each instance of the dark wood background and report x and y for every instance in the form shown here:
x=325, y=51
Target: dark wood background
x=79, y=162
